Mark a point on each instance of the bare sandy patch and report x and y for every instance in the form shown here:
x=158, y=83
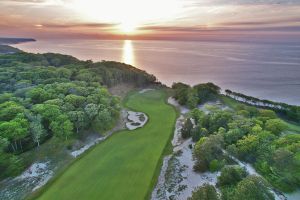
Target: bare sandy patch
x=136, y=120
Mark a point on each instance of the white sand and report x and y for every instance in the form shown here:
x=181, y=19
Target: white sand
x=193, y=179
x=183, y=109
x=135, y=120
x=43, y=181
x=37, y=173
x=177, y=140
x=145, y=90
x=35, y=170
x=185, y=179
x=156, y=194
x=87, y=146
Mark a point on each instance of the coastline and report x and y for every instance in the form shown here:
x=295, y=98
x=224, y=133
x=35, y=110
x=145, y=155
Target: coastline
x=192, y=65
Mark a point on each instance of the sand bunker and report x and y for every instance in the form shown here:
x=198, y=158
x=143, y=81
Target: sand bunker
x=145, y=90
x=136, y=120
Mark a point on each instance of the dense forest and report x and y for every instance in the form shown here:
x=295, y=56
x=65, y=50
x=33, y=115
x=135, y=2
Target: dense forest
x=247, y=133
x=53, y=95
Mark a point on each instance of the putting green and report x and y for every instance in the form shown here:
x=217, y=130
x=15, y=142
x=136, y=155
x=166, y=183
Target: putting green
x=123, y=166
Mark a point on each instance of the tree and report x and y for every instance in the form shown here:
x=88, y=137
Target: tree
x=276, y=126
x=79, y=119
x=3, y=143
x=233, y=135
x=244, y=113
x=198, y=132
x=9, y=110
x=256, y=129
x=62, y=127
x=205, y=192
x=206, y=150
x=10, y=165
x=215, y=165
x=267, y=114
x=57, y=102
x=38, y=95
x=15, y=130
x=218, y=118
x=197, y=115
x=103, y=120
x=186, y=130
x=22, y=129
x=7, y=131
x=36, y=128
x=64, y=73
x=47, y=111
x=247, y=147
x=181, y=92
x=75, y=100
x=231, y=175
x=192, y=99
x=253, y=187
x=207, y=91
x=283, y=159
x=228, y=92
x=5, y=97
x=91, y=110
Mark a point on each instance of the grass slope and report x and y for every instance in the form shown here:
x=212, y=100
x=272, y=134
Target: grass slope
x=122, y=167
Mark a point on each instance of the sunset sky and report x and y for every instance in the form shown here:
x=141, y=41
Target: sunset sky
x=150, y=19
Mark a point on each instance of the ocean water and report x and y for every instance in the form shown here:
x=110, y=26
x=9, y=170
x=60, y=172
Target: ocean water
x=268, y=71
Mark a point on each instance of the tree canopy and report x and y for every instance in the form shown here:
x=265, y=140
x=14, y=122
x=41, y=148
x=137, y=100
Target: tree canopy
x=53, y=95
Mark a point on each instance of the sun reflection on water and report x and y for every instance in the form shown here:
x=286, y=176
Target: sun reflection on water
x=128, y=54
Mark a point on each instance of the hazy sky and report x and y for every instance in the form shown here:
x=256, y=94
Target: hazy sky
x=151, y=19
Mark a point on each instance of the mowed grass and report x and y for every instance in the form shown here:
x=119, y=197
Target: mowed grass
x=123, y=166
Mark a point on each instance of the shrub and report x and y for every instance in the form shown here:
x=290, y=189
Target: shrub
x=205, y=192
x=231, y=175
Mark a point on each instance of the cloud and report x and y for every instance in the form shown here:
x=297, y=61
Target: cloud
x=253, y=23
x=34, y=2
x=197, y=17
x=80, y=25
x=292, y=28
x=244, y=2
x=26, y=1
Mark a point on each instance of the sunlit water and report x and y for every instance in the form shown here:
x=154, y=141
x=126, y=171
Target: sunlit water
x=270, y=71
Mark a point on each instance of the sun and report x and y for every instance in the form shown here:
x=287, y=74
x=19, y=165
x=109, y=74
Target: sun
x=127, y=27
x=126, y=17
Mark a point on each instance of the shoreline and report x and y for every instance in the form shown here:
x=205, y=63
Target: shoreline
x=91, y=49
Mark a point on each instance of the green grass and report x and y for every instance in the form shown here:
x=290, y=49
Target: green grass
x=123, y=166
x=230, y=102
x=293, y=127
